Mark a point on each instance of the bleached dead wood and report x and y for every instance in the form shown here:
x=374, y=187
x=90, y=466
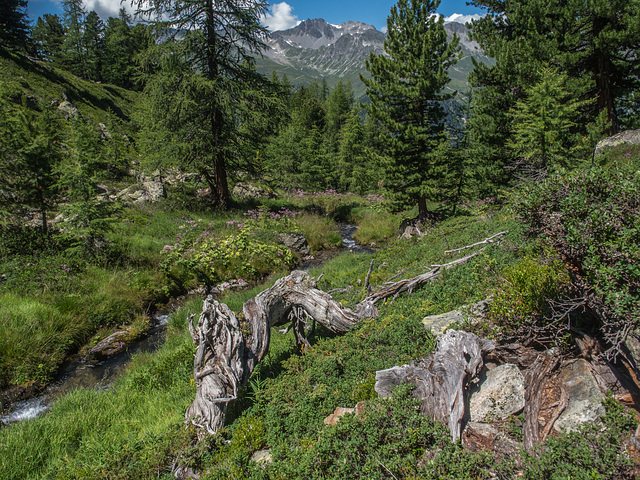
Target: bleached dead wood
x=442, y=377
x=226, y=356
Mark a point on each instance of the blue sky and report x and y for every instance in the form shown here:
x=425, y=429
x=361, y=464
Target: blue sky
x=284, y=14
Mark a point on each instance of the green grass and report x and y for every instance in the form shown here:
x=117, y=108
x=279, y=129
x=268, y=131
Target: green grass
x=43, y=82
x=375, y=226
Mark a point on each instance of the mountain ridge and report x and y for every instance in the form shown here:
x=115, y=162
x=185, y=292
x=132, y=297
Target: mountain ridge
x=316, y=50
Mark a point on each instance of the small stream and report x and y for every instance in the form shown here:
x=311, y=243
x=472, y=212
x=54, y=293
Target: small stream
x=80, y=373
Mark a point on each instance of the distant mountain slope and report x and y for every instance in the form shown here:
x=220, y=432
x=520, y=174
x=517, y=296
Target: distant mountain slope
x=316, y=49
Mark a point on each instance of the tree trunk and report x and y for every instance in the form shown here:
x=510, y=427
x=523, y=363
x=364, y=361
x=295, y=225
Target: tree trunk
x=422, y=206
x=220, y=193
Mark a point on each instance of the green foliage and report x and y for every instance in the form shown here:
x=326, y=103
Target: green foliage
x=526, y=291
x=14, y=24
x=246, y=250
x=48, y=36
x=544, y=123
x=30, y=145
x=406, y=97
x=585, y=41
x=590, y=216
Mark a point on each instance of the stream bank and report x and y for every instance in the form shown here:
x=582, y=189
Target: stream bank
x=95, y=372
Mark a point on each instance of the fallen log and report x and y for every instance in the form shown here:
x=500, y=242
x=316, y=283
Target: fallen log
x=225, y=356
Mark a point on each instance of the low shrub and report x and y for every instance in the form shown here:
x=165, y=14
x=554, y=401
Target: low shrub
x=591, y=218
x=526, y=290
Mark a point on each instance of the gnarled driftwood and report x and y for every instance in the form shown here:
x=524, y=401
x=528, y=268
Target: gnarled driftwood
x=225, y=357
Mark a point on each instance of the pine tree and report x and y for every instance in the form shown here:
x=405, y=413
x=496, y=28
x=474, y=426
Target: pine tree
x=208, y=73
x=405, y=89
x=14, y=27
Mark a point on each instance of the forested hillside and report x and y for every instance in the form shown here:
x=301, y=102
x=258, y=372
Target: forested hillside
x=279, y=278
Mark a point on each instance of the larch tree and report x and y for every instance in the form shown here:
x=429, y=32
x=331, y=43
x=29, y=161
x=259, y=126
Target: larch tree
x=48, y=36
x=194, y=90
x=73, y=51
x=406, y=93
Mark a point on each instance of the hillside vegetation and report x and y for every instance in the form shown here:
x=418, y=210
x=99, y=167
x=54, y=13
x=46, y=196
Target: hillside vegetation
x=144, y=166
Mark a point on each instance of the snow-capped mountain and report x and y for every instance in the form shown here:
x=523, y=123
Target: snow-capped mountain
x=316, y=49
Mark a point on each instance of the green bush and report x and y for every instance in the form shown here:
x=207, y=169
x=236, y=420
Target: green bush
x=591, y=217
x=526, y=291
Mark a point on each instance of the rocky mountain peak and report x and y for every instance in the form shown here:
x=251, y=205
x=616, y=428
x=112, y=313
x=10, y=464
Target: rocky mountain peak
x=316, y=49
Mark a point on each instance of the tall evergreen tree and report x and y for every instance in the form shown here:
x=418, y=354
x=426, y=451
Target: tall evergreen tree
x=73, y=51
x=48, y=35
x=14, y=26
x=543, y=124
x=215, y=63
x=123, y=42
x=93, y=40
x=31, y=153
x=406, y=92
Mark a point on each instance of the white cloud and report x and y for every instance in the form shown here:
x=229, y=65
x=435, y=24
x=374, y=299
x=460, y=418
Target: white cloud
x=459, y=18
x=279, y=17
x=108, y=8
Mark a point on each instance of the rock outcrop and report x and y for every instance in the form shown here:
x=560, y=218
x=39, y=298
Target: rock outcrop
x=632, y=137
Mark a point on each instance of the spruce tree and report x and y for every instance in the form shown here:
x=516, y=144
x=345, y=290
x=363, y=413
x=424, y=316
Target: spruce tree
x=406, y=93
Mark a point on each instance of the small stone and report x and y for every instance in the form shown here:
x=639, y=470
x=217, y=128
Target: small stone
x=335, y=416
x=437, y=324
x=262, y=456
x=295, y=241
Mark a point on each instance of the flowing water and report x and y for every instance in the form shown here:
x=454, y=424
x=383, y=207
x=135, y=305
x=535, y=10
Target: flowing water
x=81, y=373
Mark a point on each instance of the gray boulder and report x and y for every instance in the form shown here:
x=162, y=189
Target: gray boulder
x=69, y=109
x=474, y=313
x=247, y=191
x=584, y=398
x=295, y=241
x=498, y=395
x=631, y=137
x=149, y=190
